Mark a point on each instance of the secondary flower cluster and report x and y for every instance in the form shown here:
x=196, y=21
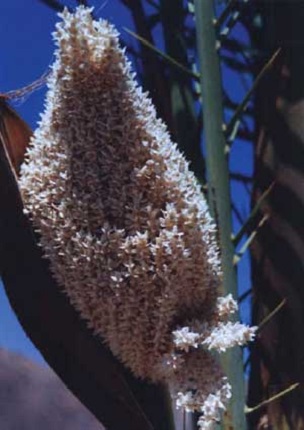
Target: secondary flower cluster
x=124, y=223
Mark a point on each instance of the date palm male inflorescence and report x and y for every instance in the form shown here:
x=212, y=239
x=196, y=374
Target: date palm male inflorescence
x=124, y=223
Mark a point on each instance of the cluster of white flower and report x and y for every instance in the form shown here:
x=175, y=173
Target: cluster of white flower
x=123, y=221
x=212, y=407
x=220, y=336
x=227, y=335
x=184, y=338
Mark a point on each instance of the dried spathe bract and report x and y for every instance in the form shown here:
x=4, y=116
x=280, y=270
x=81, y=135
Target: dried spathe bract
x=124, y=223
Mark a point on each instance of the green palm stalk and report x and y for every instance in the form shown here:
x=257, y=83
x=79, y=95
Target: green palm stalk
x=218, y=185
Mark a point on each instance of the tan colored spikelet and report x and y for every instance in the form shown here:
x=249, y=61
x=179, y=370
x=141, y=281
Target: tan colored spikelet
x=124, y=223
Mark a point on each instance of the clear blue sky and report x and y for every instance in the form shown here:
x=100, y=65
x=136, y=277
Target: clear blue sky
x=26, y=49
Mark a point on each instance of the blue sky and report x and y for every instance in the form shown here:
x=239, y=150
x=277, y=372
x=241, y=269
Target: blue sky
x=27, y=48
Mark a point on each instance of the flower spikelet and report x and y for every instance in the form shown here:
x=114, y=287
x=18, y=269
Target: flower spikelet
x=123, y=221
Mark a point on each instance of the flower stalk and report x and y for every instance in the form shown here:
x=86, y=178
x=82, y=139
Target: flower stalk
x=219, y=187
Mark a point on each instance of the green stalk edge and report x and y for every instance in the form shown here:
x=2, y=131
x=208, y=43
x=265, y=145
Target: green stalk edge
x=219, y=190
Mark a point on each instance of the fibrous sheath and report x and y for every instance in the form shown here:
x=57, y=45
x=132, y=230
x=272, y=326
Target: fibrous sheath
x=123, y=221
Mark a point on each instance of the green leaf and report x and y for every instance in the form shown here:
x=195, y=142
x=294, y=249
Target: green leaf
x=272, y=399
x=242, y=106
x=163, y=55
x=237, y=257
x=247, y=225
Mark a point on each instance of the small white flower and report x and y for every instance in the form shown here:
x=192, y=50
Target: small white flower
x=205, y=424
x=213, y=406
x=226, y=305
x=228, y=335
x=184, y=400
x=184, y=339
